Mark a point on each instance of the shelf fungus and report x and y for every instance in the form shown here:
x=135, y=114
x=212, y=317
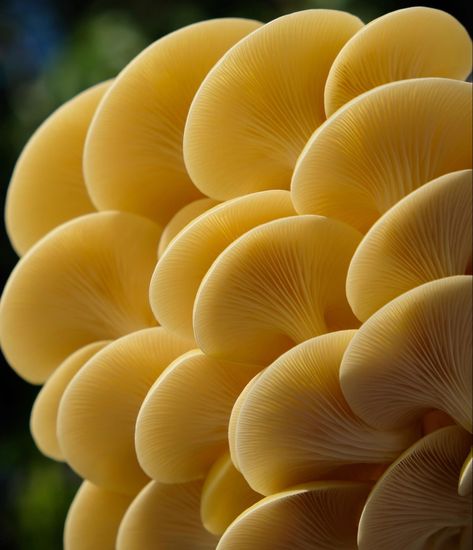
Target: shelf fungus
x=86, y=281
x=381, y=146
x=258, y=106
x=133, y=153
x=278, y=285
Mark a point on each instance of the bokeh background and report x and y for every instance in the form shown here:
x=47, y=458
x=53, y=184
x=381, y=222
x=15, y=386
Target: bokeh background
x=49, y=51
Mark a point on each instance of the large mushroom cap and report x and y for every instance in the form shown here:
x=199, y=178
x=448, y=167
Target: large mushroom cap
x=408, y=43
x=322, y=515
x=279, y=284
x=415, y=503
x=414, y=355
x=166, y=517
x=84, y=282
x=182, y=425
x=182, y=267
x=354, y=169
x=258, y=106
x=466, y=475
x=98, y=411
x=47, y=187
x=133, y=153
x=425, y=236
x=294, y=425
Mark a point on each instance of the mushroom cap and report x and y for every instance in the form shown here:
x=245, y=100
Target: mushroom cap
x=167, y=517
x=415, y=503
x=322, y=515
x=43, y=421
x=98, y=411
x=86, y=281
x=295, y=426
x=93, y=518
x=278, y=285
x=408, y=43
x=353, y=170
x=187, y=259
x=183, y=422
x=133, y=153
x=466, y=475
x=47, y=186
x=225, y=495
x=427, y=235
x=413, y=355
x=258, y=106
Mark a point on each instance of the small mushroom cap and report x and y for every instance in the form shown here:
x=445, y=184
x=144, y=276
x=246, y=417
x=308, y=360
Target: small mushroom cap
x=43, y=421
x=427, y=235
x=86, y=281
x=187, y=259
x=429, y=121
x=133, y=153
x=414, y=355
x=47, y=187
x=465, y=481
x=167, y=517
x=225, y=495
x=98, y=411
x=279, y=284
x=258, y=106
x=295, y=426
x=415, y=503
x=322, y=515
x=93, y=518
x=408, y=43
x=182, y=425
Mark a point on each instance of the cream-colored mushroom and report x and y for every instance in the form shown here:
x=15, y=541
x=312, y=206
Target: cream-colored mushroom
x=465, y=481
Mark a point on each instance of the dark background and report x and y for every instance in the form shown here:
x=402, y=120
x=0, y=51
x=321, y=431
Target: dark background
x=49, y=51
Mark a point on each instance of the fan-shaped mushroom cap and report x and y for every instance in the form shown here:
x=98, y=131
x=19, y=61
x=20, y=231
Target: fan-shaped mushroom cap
x=425, y=236
x=322, y=515
x=258, y=106
x=97, y=414
x=354, y=170
x=225, y=495
x=133, y=154
x=295, y=426
x=93, y=518
x=86, y=281
x=43, y=421
x=279, y=284
x=165, y=516
x=182, y=425
x=47, y=187
x=408, y=43
x=413, y=355
x=465, y=481
x=182, y=267
x=415, y=503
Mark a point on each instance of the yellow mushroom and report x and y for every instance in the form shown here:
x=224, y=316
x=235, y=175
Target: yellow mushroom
x=93, y=518
x=295, y=426
x=84, y=282
x=47, y=187
x=408, y=43
x=133, y=153
x=97, y=413
x=43, y=421
x=427, y=235
x=415, y=503
x=258, y=106
x=167, y=517
x=185, y=262
x=465, y=481
x=278, y=285
x=414, y=355
x=381, y=146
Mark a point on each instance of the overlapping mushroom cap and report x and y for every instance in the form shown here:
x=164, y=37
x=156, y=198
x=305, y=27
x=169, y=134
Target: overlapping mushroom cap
x=133, y=154
x=258, y=106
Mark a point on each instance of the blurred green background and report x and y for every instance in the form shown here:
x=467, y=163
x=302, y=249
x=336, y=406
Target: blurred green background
x=49, y=51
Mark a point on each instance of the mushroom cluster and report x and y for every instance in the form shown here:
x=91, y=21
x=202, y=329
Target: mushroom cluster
x=246, y=285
